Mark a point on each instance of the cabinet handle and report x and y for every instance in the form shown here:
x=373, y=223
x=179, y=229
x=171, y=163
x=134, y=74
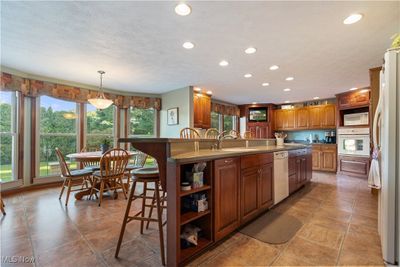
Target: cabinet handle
x=228, y=161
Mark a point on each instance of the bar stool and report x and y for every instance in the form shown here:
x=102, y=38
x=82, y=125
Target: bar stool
x=146, y=176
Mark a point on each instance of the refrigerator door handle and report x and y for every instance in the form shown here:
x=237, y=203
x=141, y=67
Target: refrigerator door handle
x=377, y=119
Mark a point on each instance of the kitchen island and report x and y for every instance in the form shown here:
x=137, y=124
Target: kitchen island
x=238, y=184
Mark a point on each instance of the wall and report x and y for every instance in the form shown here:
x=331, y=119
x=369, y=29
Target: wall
x=303, y=135
x=183, y=99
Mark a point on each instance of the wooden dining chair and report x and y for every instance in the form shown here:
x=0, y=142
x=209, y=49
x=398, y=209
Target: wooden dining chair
x=189, y=133
x=248, y=135
x=212, y=133
x=112, y=169
x=72, y=178
x=234, y=133
x=2, y=206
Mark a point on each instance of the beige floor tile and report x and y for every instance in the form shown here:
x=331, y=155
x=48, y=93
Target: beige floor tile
x=335, y=214
x=311, y=252
x=321, y=235
x=329, y=223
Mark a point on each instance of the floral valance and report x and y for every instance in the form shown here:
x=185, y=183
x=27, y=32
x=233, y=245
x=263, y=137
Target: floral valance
x=34, y=88
x=225, y=109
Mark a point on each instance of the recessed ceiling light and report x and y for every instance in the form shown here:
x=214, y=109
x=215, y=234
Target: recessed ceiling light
x=188, y=45
x=254, y=103
x=248, y=75
x=287, y=89
x=183, y=9
x=209, y=92
x=353, y=18
x=250, y=50
x=287, y=101
x=352, y=89
x=197, y=89
x=316, y=97
x=289, y=79
x=265, y=84
x=274, y=67
x=224, y=63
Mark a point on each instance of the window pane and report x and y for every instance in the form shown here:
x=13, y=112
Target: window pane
x=228, y=123
x=142, y=122
x=8, y=101
x=100, y=126
x=215, y=120
x=57, y=129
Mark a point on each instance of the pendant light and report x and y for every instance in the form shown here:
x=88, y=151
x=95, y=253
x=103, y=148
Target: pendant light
x=100, y=101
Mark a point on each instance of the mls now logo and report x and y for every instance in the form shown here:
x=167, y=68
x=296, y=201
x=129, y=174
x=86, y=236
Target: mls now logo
x=17, y=259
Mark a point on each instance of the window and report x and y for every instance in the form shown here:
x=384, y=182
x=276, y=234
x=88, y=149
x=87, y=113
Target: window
x=229, y=123
x=99, y=126
x=8, y=136
x=57, y=128
x=142, y=122
x=216, y=121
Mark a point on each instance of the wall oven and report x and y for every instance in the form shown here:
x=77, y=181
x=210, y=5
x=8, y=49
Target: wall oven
x=354, y=141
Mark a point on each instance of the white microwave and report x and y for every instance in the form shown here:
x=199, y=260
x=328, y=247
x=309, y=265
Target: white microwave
x=356, y=119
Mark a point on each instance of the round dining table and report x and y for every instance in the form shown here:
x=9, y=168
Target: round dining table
x=89, y=157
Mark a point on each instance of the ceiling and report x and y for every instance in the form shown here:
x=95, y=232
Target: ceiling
x=139, y=45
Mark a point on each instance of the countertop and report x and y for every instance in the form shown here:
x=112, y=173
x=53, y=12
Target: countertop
x=208, y=154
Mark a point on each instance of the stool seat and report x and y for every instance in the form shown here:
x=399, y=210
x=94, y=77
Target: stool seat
x=146, y=173
x=131, y=167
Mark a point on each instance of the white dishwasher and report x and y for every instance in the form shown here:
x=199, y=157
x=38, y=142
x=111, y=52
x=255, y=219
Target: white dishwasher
x=281, y=176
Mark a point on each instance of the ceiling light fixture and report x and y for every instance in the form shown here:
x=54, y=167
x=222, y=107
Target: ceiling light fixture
x=287, y=101
x=209, y=92
x=352, y=89
x=254, y=103
x=316, y=97
x=250, y=50
x=248, y=75
x=100, y=101
x=188, y=45
x=224, y=63
x=289, y=79
x=287, y=89
x=197, y=89
x=353, y=18
x=274, y=67
x=265, y=84
x=183, y=9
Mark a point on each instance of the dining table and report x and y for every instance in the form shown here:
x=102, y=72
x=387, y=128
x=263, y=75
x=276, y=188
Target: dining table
x=88, y=158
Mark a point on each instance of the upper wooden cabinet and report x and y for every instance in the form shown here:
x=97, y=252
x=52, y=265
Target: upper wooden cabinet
x=202, y=110
x=312, y=117
x=353, y=99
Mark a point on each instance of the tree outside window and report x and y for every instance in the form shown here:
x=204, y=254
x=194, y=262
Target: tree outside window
x=229, y=123
x=99, y=126
x=142, y=122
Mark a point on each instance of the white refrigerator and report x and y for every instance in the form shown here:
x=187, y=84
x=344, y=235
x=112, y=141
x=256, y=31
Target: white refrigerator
x=386, y=135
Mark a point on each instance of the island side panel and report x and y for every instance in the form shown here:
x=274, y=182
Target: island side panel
x=173, y=212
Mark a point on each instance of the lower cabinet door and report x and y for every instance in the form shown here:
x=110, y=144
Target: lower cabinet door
x=293, y=184
x=266, y=198
x=226, y=184
x=249, y=194
x=328, y=160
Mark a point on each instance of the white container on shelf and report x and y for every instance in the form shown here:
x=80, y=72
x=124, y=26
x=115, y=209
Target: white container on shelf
x=280, y=141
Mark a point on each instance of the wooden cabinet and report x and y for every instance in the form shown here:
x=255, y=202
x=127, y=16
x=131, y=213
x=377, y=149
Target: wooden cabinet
x=202, y=111
x=312, y=117
x=256, y=185
x=259, y=130
x=302, y=117
x=354, y=166
x=324, y=157
x=328, y=116
x=299, y=168
x=226, y=184
x=353, y=99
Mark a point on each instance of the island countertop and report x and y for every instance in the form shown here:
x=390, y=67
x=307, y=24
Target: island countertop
x=208, y=154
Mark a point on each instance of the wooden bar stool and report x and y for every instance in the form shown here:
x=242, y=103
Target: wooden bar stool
x=2, y=206
x=145, y=176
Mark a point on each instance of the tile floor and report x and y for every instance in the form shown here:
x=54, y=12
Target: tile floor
x=339, y=215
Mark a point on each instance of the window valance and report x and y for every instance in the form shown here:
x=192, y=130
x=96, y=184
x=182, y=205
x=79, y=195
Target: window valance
x=34, y=88
x=224, y=109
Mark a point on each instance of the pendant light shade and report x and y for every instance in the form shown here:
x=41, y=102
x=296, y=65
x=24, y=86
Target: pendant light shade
x=100, y=101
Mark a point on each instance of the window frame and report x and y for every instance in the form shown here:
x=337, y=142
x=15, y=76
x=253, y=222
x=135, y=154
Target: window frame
x=14, y=134
x=51, y=178
x=128, y=126
x=221, y=118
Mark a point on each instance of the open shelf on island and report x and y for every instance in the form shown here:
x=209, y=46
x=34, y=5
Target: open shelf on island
x=189, y=216
x=190, y=251
x=195, y=190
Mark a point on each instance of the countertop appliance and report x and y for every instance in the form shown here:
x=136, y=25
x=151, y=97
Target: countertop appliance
x=387, y=124
x=281, y=176
x=355, y=119
x=354, y=142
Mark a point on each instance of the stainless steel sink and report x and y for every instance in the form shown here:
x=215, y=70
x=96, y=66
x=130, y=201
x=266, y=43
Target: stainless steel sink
x=238, y=149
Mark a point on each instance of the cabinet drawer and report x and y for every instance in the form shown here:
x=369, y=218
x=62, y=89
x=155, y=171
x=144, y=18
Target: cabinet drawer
x=222, y=162
x=256, y=160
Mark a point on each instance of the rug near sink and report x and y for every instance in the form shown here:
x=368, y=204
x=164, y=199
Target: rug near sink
x=273, y=228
